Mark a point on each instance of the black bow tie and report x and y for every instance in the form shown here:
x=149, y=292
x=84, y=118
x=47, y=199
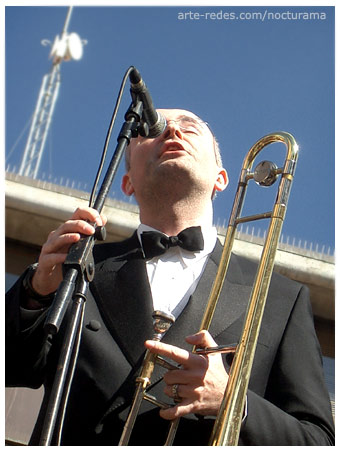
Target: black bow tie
x=155, y=243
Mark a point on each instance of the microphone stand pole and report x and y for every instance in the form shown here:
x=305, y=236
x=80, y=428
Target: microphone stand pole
x=78, y=272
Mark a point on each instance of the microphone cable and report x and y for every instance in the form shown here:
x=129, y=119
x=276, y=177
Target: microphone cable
x=108, y=135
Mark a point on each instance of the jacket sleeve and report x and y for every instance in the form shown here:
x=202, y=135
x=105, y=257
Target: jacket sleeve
x=26, y=345
x=296, y=407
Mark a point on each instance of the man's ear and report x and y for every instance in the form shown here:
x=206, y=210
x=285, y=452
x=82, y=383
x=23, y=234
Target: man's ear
x=222, y=180
x=126, y=185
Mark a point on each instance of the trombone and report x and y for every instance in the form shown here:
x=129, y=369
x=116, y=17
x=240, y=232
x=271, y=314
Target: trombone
x=227, y=425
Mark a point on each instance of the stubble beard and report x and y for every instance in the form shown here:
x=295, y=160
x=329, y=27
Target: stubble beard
x=174, y=186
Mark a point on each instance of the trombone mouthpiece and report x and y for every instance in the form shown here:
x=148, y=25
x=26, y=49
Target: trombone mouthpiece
x=162, y=322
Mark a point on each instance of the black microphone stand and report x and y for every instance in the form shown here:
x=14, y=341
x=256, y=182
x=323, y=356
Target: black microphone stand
x=78, y=270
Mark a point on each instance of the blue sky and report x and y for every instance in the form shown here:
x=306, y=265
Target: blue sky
x=245, y=75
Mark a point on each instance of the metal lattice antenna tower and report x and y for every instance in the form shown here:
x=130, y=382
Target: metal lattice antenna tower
x=67, y=47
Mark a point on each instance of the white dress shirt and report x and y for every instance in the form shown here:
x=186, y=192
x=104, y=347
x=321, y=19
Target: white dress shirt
x=174, y=275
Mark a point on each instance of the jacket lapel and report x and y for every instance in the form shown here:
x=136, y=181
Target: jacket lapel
x=230, y=306
x=123, y=295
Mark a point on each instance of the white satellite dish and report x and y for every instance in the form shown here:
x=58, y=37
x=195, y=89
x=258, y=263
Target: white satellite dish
x=74, y=47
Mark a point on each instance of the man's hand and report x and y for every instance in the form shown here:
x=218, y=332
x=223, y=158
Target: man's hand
x=201, y=381
x=48, y=275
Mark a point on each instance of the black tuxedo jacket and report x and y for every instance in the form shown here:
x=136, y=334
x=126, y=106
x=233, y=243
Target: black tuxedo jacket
x=287, y=401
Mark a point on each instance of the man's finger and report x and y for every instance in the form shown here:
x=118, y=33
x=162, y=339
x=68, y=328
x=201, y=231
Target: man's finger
x=89, y=214
x=202, y=339
x=179, y=410
x=179, y=355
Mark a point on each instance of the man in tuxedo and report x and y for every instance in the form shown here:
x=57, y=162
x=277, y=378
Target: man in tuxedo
x=174, y=178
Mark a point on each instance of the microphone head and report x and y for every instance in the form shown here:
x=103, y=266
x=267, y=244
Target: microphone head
x=155, y=121
x=135, y=76
x=158, y=127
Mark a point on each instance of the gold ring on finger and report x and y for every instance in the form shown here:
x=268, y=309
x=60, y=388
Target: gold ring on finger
x=175, y=394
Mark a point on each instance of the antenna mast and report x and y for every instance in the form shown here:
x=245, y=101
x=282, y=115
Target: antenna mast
x=67, y=47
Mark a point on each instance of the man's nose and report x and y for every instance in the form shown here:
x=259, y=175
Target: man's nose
x=172, y=129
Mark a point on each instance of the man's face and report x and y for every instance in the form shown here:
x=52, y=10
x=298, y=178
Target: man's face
x=183, y=153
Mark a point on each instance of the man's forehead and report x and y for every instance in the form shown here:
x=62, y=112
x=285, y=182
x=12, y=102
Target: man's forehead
x=175, y=114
